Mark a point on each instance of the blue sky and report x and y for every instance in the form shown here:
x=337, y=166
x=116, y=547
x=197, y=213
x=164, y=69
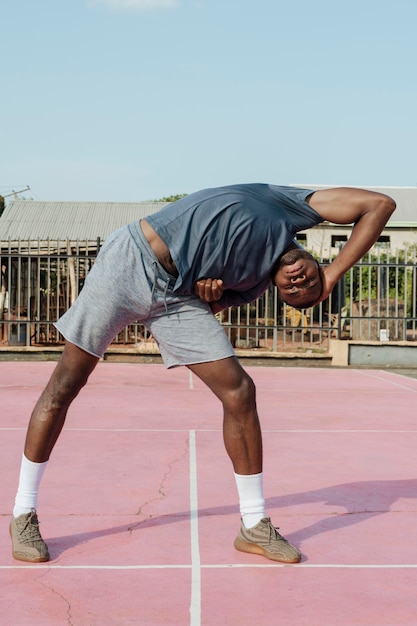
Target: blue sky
x=128, y=100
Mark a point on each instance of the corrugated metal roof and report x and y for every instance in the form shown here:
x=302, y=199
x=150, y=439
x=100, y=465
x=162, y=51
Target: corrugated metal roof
x=29, y=219
x=405, y=197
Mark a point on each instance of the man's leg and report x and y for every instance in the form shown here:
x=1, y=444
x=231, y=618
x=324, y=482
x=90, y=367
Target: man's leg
x=241, y=430
x=243, y=441
x=46, y=422
x=48, y=417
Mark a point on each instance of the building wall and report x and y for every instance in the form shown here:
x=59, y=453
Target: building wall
x=319, y=238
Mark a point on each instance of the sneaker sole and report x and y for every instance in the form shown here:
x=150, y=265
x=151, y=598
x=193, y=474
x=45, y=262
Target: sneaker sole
x=20, y=556
x=253, y=548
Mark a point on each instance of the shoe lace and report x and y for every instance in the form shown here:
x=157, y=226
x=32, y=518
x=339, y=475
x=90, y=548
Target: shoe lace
x=274, y=534
x=29, y=531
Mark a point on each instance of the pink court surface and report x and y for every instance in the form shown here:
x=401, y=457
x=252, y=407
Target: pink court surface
x=139, y=506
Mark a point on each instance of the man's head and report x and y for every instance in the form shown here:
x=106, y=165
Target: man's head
x=298, y=278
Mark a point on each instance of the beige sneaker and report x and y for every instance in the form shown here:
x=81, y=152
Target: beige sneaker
x=27, y=543
x=265, y=539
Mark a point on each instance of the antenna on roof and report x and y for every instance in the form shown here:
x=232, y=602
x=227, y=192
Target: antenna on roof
x=14, y=193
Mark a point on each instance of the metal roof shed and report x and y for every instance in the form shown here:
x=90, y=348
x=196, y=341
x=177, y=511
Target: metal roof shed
x=76, y=221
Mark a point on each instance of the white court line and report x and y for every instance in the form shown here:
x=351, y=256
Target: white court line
x=219, y=430
x=229, y=566
x=335, y=430
x=387, y=379
x=195, y=605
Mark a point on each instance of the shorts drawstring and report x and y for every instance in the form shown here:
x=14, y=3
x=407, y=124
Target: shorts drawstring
x=165, y=295
x=155, y=275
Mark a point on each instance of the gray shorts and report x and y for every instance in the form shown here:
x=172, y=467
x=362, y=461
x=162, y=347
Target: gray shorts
x=127, y=284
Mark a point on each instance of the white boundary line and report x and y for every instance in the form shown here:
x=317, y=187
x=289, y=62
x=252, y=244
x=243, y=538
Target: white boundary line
x=219, y=430
x=195, y=605
x=372, y=374
x=197, y=615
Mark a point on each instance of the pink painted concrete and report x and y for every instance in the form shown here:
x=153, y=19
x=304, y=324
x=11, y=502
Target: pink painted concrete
x=340, y=481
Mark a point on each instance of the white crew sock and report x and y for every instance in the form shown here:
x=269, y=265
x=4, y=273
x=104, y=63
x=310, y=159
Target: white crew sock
x=251, y=498
x=29, y=481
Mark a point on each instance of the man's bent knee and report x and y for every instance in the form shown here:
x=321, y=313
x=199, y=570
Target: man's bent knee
x=62, y=389
x=242, y=396
x=70, y=375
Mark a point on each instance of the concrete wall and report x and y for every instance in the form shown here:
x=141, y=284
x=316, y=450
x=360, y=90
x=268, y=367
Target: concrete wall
x=373, y=354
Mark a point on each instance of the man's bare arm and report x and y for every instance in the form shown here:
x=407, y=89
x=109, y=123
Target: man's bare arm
x=368, y=211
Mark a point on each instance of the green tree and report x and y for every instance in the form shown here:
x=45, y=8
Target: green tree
x=172, y=198
x=2, y=205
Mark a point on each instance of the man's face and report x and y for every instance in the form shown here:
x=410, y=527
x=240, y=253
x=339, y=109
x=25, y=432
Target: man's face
x=298, y=278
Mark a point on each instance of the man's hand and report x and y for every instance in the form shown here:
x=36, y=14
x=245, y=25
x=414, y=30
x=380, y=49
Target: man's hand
x=209, y=289
x=328, y=285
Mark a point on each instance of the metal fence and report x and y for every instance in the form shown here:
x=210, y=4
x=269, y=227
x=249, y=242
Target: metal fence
x=375, y=301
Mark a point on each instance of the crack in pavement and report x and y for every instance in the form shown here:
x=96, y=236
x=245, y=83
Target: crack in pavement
x=161, y=489
x=59, y=595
